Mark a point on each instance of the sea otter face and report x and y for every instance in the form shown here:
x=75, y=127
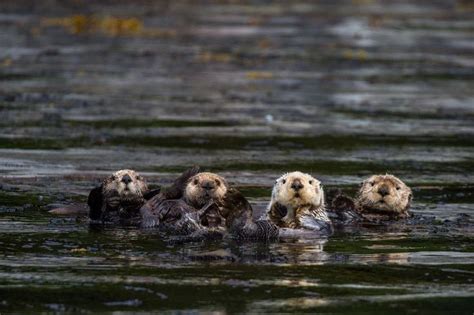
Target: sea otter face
x=127, y=183
x=298, y=189
x=385, y=193
x=203, y=188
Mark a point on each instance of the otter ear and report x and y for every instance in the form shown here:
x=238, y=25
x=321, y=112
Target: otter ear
x=108, y=180
x=94, y=201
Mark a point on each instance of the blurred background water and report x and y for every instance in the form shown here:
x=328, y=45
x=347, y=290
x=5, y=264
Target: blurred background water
x=249, y=89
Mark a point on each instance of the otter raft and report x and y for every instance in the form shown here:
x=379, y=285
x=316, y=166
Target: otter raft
x=237, y=156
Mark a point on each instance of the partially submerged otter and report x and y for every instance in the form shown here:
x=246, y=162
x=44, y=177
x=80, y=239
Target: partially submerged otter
x=380, y=197
x=234, y=210
x=118, y=197
x=298, y=202
x=188, y=206
x=384, y=194
x=203, y=188
x=207, y=206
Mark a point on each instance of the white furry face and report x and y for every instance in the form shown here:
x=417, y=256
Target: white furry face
x=385, y=193
x=127, y=183
x=297, y=189
x=204, y=187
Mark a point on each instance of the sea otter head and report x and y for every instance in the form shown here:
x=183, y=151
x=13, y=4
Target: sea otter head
x=127, y=183
x=298, y=189
x=203, y=188
x=384, y=193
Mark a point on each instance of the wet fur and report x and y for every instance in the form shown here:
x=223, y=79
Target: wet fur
x=116, y=198
x=238, y=215
x=197, y=196
x=396, y=203
x=169, y=211
x=301, y=209
x=342, y=208
x=227, y=208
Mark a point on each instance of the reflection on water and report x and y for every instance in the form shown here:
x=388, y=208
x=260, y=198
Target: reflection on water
x=340, y=89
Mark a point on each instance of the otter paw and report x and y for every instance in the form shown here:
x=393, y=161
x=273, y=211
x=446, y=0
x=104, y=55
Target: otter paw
x=289, y=222
x=293, y=225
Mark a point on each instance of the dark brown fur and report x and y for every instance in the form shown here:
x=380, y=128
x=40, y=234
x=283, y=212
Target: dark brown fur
x=238, y=214
x=114, y=200
x=170, y=212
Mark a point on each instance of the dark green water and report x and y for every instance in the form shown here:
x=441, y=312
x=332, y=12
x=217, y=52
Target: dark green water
x=249, y=89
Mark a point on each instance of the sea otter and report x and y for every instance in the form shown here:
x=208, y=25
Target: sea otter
x=203, y=188
x=380, y=197
x=208, y=207
x=186, y=209
x=384, y=194
x=298, y=202
x=234, y=210
x=118, y=197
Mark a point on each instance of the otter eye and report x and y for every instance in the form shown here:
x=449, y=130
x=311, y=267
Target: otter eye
x=372, y=183
x=398, y=187
x=283, y=181
x=311, y=182
x=218, y=182
x=196, y=182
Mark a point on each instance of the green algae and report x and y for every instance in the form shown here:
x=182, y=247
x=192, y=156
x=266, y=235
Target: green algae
x=405, y=245
x=141, y=123
x=185, y=288
x=383, y=113
x=122, y=123
x=255, y=191
x=214, y=143
x=445, y=193
x=20, y=199
x=15, y=76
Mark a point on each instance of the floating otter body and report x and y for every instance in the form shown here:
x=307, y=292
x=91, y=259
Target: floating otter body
x=187, y=207
x=232, y=209
x=119, y=197
x=298, y=203
x=380, y=197
x=202, y=204
x=385, y=195
x=208, y=207
x=203, y=188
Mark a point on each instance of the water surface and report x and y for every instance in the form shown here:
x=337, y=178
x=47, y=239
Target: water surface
x=339, y=89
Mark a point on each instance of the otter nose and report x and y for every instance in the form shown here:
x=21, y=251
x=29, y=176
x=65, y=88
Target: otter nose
x=296, y=185
x=126, y=179
x=208, y=185
x=384, y=191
